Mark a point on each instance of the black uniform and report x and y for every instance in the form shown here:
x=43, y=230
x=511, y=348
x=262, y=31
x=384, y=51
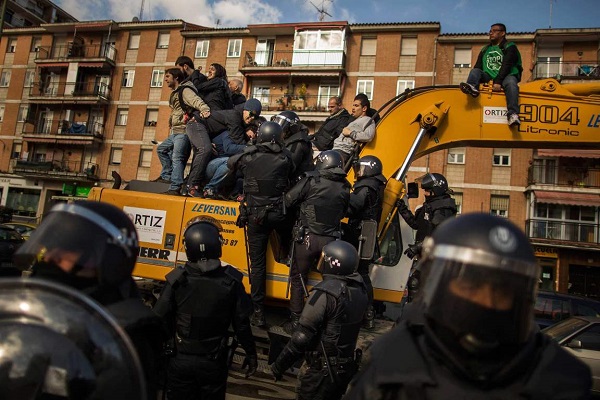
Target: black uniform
x=331, y=129
x=323, y=197
x=301, y=148
x=366, y=203
x=333, y=314
x=408, y=363
x=202, y=305
x=435, y=210
x=267, y=168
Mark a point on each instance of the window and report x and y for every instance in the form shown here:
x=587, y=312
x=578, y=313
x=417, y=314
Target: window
x=409, y=47
x=122, y=117
x=36, y=42
x=134, y=41
x=458, y=199
x=157, y=78
x=462, y=58
x=501, y=157
x=163, y=40
x=23, y=113
x=368, y=47
x=128, y=78
x=325, y=93
x=202, y=49
x=366, y=87
x=151, y=117
x=5, y=79
x=319, y=40
x=234, y=48
x=145, y=158
x=456, y=155
x=29, y=77
x=1, y=113
x=115, y=155
x=16, y=151
x=499, y=205
x=12, y=45
x=404, y=84
x=262, y=94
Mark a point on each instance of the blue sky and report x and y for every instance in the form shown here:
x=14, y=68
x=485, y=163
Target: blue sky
x=455, y=16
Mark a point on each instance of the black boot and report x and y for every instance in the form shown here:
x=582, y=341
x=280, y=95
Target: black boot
x=258, y=318
x=290, y=325
x=369, y=318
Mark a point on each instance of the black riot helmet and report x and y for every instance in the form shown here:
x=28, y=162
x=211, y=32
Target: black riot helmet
x=434, y=183
x=329, y=159
x=288, y=120
x=202, y=241
x=269, y=132
x=58, y=343
x=367, y=166
x=480, y=284
x=338, y=258
x=82, y=244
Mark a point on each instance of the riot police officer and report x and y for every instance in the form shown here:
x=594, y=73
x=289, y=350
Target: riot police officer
x=93, y=247
x=438, y=207
x=328, y=328
x=267, y=168
x=295, y=135
x=59, y=344
x=473, y=335
x=322, y=197
x=366, y=202
x=201, y=300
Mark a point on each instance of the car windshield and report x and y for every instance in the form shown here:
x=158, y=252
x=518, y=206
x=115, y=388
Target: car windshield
x=565, y=328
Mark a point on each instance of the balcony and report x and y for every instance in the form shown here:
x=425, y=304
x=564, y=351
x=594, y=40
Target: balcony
x=84, y=171
x=292, y=60
x=64, y=132
x=574, y=232
x=77, y=52
x=308, y=104
x=576, y=177
x=579, y=70
x=80, y=92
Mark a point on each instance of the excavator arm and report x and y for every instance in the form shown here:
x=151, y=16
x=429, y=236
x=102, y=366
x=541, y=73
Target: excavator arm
x=428, y=119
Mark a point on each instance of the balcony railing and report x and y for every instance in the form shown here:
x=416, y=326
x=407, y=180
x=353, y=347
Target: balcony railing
x=310, y=103
x=563, y=231
x=567, y=70
x=564, y=176
x=294, y=58
x=64, y=128
x=71, y=90
x=66, y=52
x=58, y=169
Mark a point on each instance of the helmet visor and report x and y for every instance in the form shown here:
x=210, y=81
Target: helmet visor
x=73, y=244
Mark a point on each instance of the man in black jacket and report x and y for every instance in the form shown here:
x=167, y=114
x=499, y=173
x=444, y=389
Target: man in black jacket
x=472, y=334
x=328, y=328
x=200, y=302
x=338, y=119
x=267, y=168
x=322, y=197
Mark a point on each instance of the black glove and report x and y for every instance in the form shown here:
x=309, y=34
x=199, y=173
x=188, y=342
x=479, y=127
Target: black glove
x=242, y=219
x=277, y=374
x=252, y=363
x=413, y=250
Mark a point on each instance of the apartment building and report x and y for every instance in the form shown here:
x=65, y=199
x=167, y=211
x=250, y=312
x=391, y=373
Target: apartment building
x=80, y=100
x=27, y=13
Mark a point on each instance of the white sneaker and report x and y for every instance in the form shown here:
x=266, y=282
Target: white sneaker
x=513, y=120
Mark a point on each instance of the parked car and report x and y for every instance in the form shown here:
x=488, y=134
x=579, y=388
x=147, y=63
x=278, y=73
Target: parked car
x=23, y=228
x=552, y=307
x=10, y=240
x=580, y=336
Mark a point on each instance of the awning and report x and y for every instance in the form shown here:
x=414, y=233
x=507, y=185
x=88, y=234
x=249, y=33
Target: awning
x=568, y=153
x=90, y=65
x=267, y=73
x=313, y=73
x=59, y=141
x=53, y=65
x=575, y=199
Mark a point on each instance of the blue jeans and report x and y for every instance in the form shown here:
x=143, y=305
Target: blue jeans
x=509, y=84
x=216, y=170
x=173, y=154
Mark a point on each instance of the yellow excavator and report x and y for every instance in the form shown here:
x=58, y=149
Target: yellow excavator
x=415, y=123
